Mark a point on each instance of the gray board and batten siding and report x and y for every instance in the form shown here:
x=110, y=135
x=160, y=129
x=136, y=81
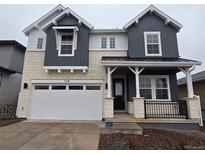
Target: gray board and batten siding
x=80, y=57
x=152, y=22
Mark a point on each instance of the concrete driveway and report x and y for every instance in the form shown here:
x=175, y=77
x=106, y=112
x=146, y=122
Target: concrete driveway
x=50, y=135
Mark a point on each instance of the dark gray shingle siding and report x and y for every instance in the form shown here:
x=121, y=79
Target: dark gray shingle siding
x=151, y=22
x=81, y=54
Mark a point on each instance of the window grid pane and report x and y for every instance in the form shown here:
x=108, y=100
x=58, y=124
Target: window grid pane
x=112, y=42
x=103, y=42
x=67, y=44
x=153, y=49
x=152, y=43
x=40, y=43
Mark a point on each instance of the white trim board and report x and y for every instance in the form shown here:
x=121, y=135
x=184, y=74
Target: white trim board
x=34, y=24
x=149, y=63
x=67, y=81
x=65, y=67
x=152, y=8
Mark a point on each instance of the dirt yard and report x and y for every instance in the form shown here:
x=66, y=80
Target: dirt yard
x=154, y=139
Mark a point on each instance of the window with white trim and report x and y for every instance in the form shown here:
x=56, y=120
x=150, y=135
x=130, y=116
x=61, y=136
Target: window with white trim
x=40, y=43
x=66, y=45
x=112, y=42
x=152, y=44
x=161, y=88
x=103, y=42
x=145, y=88
x=154, y=87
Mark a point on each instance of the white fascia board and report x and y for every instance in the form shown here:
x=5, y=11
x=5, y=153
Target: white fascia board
x=65, y=67
x=149, y=64
x=27, y=29
x=66, y=81
x=65, y=27
x=107, y=31
x=159, y=12
x=67, y=11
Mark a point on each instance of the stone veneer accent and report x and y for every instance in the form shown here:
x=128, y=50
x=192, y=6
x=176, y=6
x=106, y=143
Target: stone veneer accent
x=33, y=70
x=193, y=107
x=139, y=111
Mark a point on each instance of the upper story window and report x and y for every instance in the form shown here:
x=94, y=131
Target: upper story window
x=152, y=44
x=112, y=42
x=103, y=42
x=66, y=45
x=40, y=43
x=66, y=40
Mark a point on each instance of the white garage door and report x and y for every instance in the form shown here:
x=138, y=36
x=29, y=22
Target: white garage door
x=66, y=102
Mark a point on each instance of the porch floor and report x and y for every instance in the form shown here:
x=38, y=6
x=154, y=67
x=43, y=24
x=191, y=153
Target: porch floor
x=128, y=118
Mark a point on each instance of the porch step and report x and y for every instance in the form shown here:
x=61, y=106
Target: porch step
x=123, y=128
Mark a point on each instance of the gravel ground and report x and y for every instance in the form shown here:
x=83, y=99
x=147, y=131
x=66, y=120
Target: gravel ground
x=153, y=139
x=5, y=122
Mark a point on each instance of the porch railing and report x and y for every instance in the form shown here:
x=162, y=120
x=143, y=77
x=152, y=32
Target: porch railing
x=7, y=111
x=165, y=109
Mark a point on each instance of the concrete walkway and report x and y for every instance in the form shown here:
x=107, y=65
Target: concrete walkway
x=50, y=135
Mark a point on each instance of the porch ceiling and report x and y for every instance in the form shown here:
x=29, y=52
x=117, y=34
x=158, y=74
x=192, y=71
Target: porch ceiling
x=148, y=62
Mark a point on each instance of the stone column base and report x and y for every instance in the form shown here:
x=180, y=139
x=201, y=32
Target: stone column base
x=139, y=110
x=193, y=107
x=108, y=108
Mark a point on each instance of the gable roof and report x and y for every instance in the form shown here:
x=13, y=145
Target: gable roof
x=196, y=77
x=52, y=16
x=67, y=11
x=13, y=43
x=161, y=14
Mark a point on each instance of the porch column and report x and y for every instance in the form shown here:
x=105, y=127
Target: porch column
x=187, y=72
x=189, y=83
x=136, y=71
x=138, y=102
x=108, y=104
x=109, y=86
x=137, y=82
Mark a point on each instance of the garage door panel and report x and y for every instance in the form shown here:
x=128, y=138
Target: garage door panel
x=66, y=104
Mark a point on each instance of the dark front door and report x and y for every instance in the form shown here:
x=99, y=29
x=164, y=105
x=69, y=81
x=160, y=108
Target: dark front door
x=119, y=94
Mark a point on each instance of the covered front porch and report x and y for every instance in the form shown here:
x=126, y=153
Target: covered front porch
x=147, y=88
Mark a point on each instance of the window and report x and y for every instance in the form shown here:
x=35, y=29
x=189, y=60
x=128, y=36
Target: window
x=92, y=87
x=145, y=88
x=154, y=87
x=103, y=42
x=112, y=42
x=152, y=43
x=41, y=87
x=58, y=87
x=75, y=87
x=66, y=47
x=40, y=43
x=161, y=88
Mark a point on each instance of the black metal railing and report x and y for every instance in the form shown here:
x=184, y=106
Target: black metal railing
x=165, y=109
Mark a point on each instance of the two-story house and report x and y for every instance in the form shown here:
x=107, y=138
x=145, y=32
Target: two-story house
x=11, y=68
x=75, y=72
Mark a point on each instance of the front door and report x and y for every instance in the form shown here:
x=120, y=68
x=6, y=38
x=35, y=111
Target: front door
x=119, y=94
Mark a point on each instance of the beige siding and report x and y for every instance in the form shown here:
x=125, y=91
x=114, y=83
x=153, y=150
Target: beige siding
x=33, y=70
x=199, y=89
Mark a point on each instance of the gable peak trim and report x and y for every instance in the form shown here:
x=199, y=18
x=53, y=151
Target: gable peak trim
x=161, y=14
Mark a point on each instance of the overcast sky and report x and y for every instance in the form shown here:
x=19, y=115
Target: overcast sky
x=191, y=38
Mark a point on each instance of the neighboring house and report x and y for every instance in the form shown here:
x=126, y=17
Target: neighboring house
x=198, y=80
x=11, y=68
x=75, y=72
